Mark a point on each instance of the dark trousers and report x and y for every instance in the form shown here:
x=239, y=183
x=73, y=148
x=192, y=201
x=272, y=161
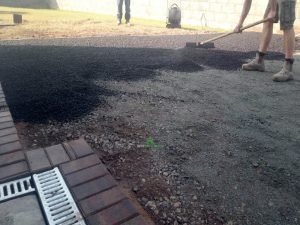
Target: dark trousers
x=120, y=9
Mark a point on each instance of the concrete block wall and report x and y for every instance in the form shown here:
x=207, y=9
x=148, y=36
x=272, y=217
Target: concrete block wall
x=212, y=13
x=220, y=13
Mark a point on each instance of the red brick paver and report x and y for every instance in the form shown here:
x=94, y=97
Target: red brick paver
x=69, y=151
x=13, y=171
x=116, y=214
x=5, y=113
x=80, y=148
x=8, y=139
x=5, y=119
x=93, y=187
x=136, y=221
x=57, y=154
x=11, y=158
x=85, y=175
x=101, y=201
x=10, y=147
x=7, y=124
x=38, y=160
x=79, y=164
x=7, y=131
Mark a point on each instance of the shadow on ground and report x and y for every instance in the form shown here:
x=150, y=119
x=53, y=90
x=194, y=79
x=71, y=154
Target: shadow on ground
x=6, y=25
x=44, y=83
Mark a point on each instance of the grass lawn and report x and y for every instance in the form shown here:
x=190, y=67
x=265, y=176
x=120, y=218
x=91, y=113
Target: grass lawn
x=39, y=23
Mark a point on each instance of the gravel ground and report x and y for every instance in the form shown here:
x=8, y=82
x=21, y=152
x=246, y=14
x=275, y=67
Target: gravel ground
x=194, y=139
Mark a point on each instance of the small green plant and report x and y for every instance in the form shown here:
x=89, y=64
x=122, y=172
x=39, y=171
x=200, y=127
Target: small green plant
x=150, y=143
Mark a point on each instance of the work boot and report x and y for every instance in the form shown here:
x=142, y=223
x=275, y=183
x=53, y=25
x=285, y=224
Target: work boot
x=257, y=64
x=128, y=23
x=286, y=73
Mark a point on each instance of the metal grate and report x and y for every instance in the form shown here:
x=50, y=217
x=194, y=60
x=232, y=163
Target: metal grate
x=58, y=204
x=15, y=188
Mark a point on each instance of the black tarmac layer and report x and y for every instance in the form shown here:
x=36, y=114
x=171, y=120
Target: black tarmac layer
x=54, y=82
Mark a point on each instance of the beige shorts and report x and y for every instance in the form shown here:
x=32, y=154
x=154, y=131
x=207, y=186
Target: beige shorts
x=286, y=13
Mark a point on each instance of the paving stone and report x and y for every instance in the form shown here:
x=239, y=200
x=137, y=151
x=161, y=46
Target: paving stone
x=8, y=131
x=85, y=175
x=6, y=125
x=69, y=150
x=2, y=100
x=12, y=170
x=8, y=139
x=6, y=113
x=57, y=154
x=10, y=147
x=5, y=119
x=93, y=187
x=11, y=158
x=79, y=164
x=3, y=108
x=116, y=214
x=136, y=221
x=80, y=148
x=38, y=160
x=101, y=201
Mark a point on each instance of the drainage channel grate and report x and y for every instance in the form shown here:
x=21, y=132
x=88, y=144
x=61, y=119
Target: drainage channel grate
x=59, y=206
x=15, y=188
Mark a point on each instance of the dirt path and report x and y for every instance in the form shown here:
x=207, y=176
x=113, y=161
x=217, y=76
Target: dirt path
x=195, y=140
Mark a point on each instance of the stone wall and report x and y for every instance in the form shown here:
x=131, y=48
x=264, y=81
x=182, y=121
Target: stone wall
x=211, y=13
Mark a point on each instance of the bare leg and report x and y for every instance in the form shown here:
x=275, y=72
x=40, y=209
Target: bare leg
x=266, y=37
x=289, y=43
x=258, y=63
x=286, y=73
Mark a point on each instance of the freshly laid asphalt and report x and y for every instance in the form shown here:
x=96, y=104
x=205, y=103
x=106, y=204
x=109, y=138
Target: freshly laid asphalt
x=238, y=132
x=34, y=70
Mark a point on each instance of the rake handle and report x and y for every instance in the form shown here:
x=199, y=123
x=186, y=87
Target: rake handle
x=243, y=28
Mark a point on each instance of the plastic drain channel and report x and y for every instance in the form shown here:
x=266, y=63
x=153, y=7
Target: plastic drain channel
x=58, y=203
x=15, y=188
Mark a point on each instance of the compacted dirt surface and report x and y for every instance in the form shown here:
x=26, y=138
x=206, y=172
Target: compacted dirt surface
x=193, y=138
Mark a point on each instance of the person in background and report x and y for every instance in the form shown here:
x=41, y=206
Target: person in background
x=277, y=10
x=120, y=11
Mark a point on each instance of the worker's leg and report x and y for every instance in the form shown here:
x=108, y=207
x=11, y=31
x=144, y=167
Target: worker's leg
x=287, y=19
x=289, y=43
x=258, y=63
x=120, y=11
x=127, y=14
x=266, y=38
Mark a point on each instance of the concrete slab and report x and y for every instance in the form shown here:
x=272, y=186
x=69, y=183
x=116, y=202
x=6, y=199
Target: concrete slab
x=20, y=211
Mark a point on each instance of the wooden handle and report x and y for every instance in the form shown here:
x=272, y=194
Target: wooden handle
x=230, y=33
x=256, y=23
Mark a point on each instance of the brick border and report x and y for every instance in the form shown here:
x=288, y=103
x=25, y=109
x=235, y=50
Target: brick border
x=95, y=191
x=13, y=163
